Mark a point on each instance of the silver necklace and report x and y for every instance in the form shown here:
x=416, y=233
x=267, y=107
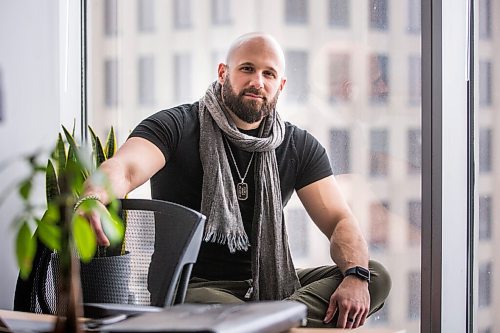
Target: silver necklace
x=241, y=187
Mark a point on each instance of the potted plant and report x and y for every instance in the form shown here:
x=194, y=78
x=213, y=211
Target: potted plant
x=60, y=229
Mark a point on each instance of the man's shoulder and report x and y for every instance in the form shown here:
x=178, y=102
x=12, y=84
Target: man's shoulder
x=188, y=109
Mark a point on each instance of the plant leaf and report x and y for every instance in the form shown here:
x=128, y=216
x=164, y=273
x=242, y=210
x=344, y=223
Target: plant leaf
x=52, y=189
x=25, y=188
x=111, y=143
x=73, y=147
x=25, y=250
x=60, y=154
x=97, y=148
x=84, y=237
x=49, y=232
x=112, y=226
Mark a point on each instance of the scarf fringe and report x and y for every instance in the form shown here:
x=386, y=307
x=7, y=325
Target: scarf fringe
x=235, y=241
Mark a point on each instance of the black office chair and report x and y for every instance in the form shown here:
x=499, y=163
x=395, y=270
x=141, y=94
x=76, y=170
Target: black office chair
x=163, y=240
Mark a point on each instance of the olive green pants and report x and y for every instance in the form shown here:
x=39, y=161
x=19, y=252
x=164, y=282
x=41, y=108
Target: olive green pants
x=317, y=285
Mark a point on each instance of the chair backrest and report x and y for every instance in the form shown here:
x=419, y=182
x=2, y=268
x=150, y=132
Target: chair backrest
x=162, y=240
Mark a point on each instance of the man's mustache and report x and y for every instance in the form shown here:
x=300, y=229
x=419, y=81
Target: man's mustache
x=253, y=91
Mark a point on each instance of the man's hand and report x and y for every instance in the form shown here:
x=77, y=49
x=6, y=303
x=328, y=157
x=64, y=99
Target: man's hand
x=352, y=302
x=95, y=222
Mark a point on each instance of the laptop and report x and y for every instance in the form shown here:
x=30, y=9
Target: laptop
x=252, y=317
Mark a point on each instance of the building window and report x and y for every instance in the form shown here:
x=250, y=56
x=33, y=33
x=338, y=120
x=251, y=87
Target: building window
x=182, y=77
x=379, y=78
x=485, y=149
x=221, y=12
x=414, y=151
x=379, y=16
x=485, y=217
x=1, y=97
x=379, y=152
x=485, y=83
x=414, y=11
x=340, y=151
x=110, y=18
x=146, y=15
x=340, y=78
x=484, y=19
x=414, y=222
x=414, y=80
x=339, y=13
x=484, y=284
x=379, y=225
x=297, y=90
x=111, y=82
x=146, y=81
x=296, y=11
x=413, y=295
x=182, y=14
x=298, y=234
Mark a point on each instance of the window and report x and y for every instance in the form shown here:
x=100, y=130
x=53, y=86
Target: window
x=339, y=13
x=485, y=217
x=296, y=11
x=340, y=146
x=485, y=83
x=1, y=97
x=414, y=12
x=414, y=151
x=146, y=15
x=414, y=222
x=379, y=16
x=413, y=295
x=485, y=150
x=484, y=284
x=379, y=152
x=182, y=14
x=110, y=18
x=414, y=80
x=111, y=82
x=379, y=225
x=182, y=78
x=340, y=78
x=146, y=81
x=484, y=19
x=297, y=222
x=221, y=12
x=297, y=76
x=379, y=78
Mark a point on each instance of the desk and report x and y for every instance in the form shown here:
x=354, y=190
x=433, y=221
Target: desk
x=42, y=322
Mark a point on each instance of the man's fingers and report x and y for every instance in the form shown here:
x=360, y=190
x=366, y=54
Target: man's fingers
x=95, y=223
x=330, y=312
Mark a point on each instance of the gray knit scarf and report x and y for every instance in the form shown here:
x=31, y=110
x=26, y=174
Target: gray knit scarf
x=273, y=273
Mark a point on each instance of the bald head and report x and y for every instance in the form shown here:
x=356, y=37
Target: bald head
x=262, y=41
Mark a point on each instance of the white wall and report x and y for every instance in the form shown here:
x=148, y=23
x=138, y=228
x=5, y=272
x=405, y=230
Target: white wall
x=29, y=63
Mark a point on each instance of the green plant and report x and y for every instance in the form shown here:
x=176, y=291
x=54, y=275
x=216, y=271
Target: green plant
x=68, y=166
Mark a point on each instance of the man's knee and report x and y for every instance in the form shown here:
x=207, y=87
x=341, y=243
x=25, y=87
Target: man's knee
x=380, y=284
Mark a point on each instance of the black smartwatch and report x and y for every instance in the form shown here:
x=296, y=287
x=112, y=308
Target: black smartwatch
x=360, y=272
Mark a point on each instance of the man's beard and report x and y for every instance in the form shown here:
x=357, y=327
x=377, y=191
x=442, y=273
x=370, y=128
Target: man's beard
x=247, y=110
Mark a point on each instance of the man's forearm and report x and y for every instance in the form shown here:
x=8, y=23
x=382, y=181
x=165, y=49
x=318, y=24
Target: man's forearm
x=348, y=248
x=114, y=184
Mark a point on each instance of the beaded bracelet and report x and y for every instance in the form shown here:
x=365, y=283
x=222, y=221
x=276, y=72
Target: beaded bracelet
x=85, y=198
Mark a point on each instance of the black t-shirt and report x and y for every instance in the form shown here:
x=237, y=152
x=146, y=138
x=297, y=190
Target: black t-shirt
x=176, y=132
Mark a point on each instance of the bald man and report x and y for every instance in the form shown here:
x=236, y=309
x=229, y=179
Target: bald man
x=233, y=158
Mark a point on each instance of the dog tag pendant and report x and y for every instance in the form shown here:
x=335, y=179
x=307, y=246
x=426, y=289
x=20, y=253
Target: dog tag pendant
x=242, y=191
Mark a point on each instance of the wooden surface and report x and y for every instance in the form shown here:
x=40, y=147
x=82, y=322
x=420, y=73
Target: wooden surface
x=41, y=321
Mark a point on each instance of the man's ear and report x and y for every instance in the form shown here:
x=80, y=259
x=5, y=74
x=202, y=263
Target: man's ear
x=221, y=73
x=282, y=84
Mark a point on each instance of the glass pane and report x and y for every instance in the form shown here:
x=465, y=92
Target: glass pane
x=349, y=83
x=487, y=109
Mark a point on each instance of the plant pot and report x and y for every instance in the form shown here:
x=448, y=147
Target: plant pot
x=103, y=279
x=106, y=280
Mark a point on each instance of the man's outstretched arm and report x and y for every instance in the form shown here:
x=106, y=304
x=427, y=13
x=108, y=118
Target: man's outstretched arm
x=134, y=163
x=329, y=211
